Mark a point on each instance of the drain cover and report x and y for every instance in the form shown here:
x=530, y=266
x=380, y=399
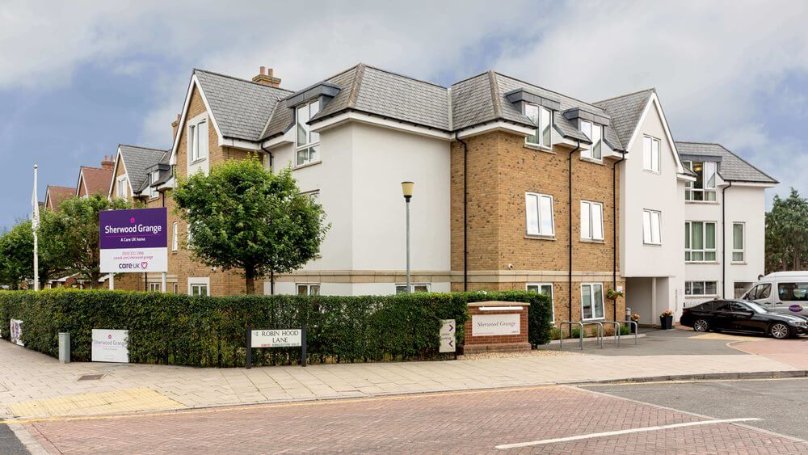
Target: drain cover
x=91, y=377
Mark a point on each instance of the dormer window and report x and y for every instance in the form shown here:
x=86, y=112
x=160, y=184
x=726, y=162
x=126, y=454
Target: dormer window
x=542, y=118
x=703, y=189
x=154, y=176
x=595, y=133
x=308, y=142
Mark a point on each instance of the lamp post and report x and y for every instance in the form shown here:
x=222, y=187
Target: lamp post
x=406, y=189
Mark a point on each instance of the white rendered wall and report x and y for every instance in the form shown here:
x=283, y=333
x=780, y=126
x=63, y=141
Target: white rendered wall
x=746, y=205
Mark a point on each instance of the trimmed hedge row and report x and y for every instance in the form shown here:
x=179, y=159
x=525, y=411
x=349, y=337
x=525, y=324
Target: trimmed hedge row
x=211, y=331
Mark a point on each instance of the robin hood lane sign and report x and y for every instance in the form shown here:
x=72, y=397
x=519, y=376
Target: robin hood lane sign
x=133, y=241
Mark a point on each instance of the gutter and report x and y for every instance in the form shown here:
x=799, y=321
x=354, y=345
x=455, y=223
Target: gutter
x=271, y=157
x=614, y=229
x=569, y=190
x=724, y=240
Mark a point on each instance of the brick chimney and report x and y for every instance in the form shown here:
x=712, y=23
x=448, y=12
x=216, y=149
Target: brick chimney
x=174, y=125
x=265, y=77
x=107, y=163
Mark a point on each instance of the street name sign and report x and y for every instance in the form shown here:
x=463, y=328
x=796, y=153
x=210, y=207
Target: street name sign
x=284, y=338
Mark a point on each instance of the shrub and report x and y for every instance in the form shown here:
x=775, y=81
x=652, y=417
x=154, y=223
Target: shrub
x=211, y=331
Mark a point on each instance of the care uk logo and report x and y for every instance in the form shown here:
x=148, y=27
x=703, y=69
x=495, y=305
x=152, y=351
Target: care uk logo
x=143, y=265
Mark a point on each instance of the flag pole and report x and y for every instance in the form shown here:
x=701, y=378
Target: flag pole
x=35, y=227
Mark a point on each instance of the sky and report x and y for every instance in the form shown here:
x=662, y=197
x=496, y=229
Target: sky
x=78, y=78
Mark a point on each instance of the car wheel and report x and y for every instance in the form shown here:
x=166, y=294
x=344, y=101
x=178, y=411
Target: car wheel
x=701, y=325
x=779, y=330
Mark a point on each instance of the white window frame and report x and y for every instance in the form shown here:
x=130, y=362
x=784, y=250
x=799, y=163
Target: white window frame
x=310, y=288
x=154, y=176
x=310, y=148
x=542, y=118
x=689, y=285
x=708, y=191
x=592, y=287
x=587, y=217
x=690, y=251
x=401, y=287
x=742, y=250
x=155, y=287
x=651, y=154
x=175, y=237
x=199, y=282
x=595, y=151
x=123, y=187
x=538, y=289
x=651, y=227
x=535, y=200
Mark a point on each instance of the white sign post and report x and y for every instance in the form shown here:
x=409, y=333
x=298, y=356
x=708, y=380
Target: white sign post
x=447, y=335
x=110, y=346
x=494, y=324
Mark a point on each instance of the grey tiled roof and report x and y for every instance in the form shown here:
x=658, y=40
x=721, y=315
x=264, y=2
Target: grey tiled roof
x=625, y=111
x=137, y=160
x=241, y=108
x=731, y=168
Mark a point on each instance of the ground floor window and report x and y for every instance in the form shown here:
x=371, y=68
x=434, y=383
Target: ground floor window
x=740, y=288
x=546, y=289
x=415, y=287
x=155, y=287
x=592, y=301
x=199, y=287
x=308, y=289
x=701, y=288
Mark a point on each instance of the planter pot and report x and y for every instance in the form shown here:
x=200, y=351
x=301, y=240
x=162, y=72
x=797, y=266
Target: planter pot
x=666, y=322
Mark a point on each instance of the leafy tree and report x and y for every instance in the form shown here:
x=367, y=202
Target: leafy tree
x=17, y=250
x=787, y=233
x=77, y=224
x=244, y=217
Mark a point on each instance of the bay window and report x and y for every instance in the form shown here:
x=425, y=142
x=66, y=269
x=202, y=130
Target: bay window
x=539, y=213
x=699, y=241
x=307, y=142
x=591, y=220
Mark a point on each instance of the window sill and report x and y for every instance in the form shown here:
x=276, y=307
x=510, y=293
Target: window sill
x=651, y=171
x=592, y=160
x=702, y=202
x=705, y=296
x=540, y=237
x=540, y=148
x=593, y=320
x=593, y=241
x=651, y=244
x=305, y=165
x=701, y=262
x=198, y=160
x=738, y=262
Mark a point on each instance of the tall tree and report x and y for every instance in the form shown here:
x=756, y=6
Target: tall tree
x=17, y=247
x=787, y=233
x=77, y=222
x=243, y=217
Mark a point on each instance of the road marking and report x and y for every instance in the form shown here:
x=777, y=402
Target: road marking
x=620, y=432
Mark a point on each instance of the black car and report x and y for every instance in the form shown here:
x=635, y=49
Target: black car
x=742, y=316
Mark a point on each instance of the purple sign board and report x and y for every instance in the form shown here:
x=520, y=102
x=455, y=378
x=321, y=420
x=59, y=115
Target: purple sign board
x=133, y=240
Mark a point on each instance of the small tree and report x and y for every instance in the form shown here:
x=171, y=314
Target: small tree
x=244, y=217
x=17, y=252
x=787, y=233
x=77, y=224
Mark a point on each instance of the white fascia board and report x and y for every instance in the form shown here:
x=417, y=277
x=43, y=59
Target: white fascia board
x=194, y=83
x=495, y=126
x=384, y=123
x=751, y=184
x=238, y=143
x=653, y=100
x=118, y=157
x=286, y=138
x=168, y=184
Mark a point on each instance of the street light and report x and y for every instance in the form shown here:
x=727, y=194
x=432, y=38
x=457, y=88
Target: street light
x=406, y=190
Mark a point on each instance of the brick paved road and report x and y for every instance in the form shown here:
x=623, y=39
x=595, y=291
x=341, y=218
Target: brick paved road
x=459, y=422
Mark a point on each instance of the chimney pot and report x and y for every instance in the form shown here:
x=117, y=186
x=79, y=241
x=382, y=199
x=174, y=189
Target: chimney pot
x=267, y=77
x=263, y=70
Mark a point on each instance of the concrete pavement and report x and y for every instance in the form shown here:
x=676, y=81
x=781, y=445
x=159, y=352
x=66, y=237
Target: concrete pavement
x=36, y=386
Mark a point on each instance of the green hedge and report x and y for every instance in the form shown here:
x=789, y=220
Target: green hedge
x=211, y=331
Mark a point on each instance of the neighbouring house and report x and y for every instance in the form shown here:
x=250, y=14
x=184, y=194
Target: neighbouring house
x=55, y=195
x=724, y=222
x=95, y=180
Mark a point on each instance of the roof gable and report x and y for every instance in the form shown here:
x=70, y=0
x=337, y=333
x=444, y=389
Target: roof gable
x=626, y=112
x=93, y=180
x=55, y=195
x=136, y=162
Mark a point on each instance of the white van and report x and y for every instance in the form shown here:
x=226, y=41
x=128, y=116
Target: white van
x=783, y=292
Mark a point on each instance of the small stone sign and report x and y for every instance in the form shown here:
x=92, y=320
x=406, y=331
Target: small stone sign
x=110, y=346
x=495, y=324
x=447, y=335
x=284, y=338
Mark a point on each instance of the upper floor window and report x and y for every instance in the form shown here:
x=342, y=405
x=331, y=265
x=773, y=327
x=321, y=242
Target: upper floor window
x=650, y=227
x=738, y=242
x=122, y=187
x=591, y=220
x=595, y=133
x=175, y=240
x=198, y=140
x=153, y=178
x=650, y=154
x=543, y=119
x=308, y=142
x=703, y=189
x=539, y=213
x=699, y=241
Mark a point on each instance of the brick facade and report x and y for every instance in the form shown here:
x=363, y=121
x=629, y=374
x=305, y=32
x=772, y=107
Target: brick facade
x=501, y=256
